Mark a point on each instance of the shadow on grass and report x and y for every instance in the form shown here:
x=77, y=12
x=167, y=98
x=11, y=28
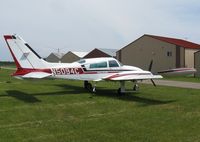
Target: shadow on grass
x=31, y=98
x=102, y=92
x=23, y=96
x=131, y=97
x=73, y=90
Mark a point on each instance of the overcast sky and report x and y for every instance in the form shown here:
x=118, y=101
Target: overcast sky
x=82, y=25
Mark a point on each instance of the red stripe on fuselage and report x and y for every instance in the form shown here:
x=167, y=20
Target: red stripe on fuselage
x=60, y=71
x=69, y=71
x=25, y=71
x=100, y=72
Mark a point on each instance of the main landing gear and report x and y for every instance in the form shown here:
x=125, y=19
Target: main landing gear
x=122, y=89
x=136, y=87
x=89, y=86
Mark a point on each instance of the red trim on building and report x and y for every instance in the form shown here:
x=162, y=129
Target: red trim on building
x=179, y=42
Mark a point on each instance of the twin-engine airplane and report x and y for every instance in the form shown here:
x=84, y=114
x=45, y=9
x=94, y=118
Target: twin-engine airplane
x=30, y=65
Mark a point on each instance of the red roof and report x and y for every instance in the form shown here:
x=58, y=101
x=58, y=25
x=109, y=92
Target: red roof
x=179, y=42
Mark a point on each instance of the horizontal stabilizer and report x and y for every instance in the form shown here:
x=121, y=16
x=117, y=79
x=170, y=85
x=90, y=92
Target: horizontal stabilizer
x=36, y=75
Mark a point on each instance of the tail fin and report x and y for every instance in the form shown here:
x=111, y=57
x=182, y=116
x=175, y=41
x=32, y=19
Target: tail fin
x=23, y=55
x=29, y=64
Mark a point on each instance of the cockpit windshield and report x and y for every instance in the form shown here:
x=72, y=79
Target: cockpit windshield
x=81, y=61
x=120, y=64
x=113, y=63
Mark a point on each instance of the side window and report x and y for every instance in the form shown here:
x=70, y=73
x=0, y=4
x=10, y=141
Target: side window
x=99, y=65
x=169, y=53
x=113, y=63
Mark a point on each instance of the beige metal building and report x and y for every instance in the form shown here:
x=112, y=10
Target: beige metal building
x=166, y=53
x=54, y=57
x=72, y=56
x=197, y=63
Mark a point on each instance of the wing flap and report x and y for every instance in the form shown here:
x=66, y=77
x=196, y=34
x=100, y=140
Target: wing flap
x=127, y=77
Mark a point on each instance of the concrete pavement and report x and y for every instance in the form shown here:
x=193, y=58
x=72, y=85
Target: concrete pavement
x=180, y=84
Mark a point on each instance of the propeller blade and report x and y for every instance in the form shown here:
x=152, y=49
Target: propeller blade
x=154, y=84
x=150, y=66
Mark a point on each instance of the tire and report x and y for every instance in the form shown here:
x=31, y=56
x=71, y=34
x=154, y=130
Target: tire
x=85, y=84
x=119, y=92
x=89, y=87
x=136, y=87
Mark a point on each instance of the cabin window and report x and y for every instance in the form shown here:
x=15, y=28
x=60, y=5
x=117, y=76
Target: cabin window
x=99, y=65
x=113, y=63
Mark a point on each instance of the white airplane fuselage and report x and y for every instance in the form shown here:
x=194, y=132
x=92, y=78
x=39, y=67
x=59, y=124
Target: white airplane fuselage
x=83, y=71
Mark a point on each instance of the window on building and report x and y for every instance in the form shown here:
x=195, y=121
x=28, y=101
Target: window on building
x=113, y=63
x=99, y=65
x=169, y=53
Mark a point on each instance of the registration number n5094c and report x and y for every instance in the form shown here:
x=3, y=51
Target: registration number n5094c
x=66, y=71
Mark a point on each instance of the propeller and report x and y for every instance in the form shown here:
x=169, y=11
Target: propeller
x=150, y=68
x=154, y=84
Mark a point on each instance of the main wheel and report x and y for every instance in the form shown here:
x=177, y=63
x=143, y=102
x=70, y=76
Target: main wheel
x=119, y=92
x=89, y=87
x=136, y=87
x=85, y=84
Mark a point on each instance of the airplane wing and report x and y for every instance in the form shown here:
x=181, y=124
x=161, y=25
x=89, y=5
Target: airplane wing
x=36, y=75
x=132, y=76
x=178, y=71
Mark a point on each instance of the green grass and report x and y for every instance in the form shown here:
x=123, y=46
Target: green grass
x=61, y=111
x=7, y=63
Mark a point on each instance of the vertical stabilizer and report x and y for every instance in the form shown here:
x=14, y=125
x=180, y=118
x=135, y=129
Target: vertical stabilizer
x=23, y=55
